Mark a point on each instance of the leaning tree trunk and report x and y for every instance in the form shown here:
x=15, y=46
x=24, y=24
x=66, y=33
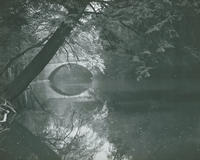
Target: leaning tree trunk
x=20, y=142
x=20, y=83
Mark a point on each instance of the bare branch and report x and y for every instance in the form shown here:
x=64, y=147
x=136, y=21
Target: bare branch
x=67, y=54
x=74, y=53
x=130, y=28
x=93, y=8
x=89, y=12
x=10, y=62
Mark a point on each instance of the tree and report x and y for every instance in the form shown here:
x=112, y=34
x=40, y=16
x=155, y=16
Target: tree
x=19, y=84
x=149, y=39
x=44, y=56
x=146, y=37
x=19, y=141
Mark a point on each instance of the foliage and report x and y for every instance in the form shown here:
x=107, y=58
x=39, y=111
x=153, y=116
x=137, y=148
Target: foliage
x=148, y=34
x=139, y=39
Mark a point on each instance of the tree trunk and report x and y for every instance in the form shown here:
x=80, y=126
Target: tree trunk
x=20, y=83
x=20, y=142
x=19, y=134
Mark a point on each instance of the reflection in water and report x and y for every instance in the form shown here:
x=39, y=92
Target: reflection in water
x=71, y=79
x=157, y=121
x=120, y=119
x=134, y=123
x=155, y=135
